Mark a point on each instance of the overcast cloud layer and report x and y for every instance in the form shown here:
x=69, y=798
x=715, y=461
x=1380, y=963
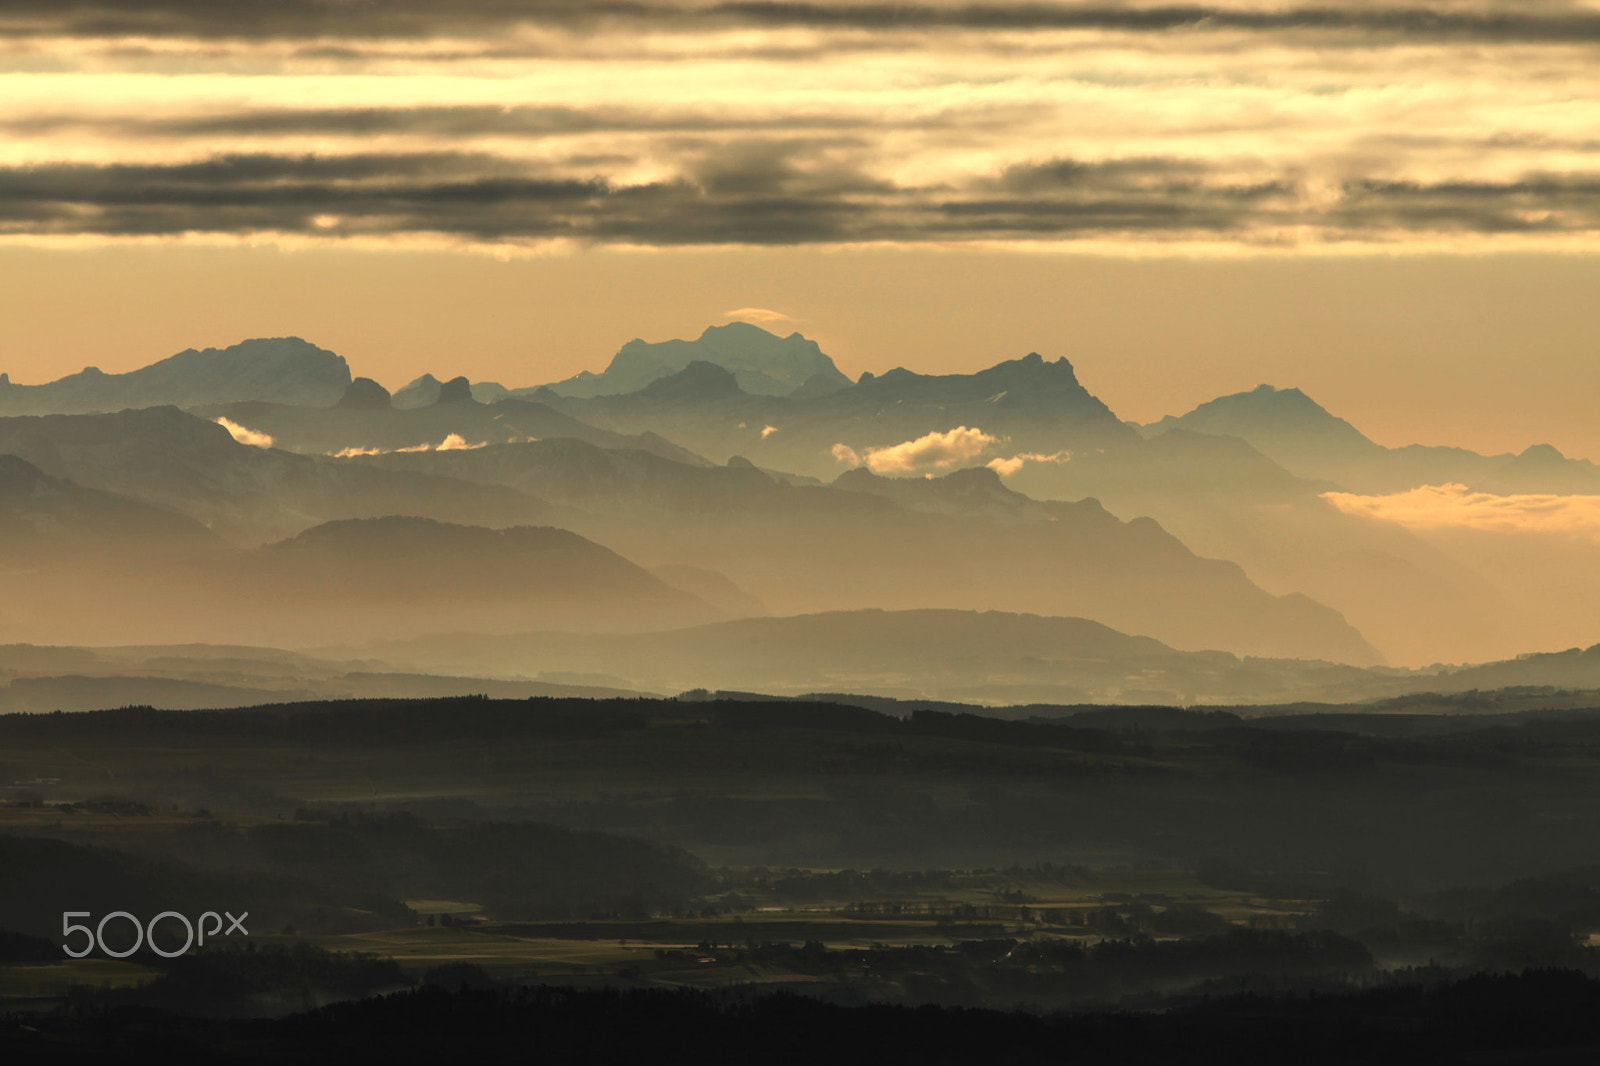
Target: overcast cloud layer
x=1125, y=127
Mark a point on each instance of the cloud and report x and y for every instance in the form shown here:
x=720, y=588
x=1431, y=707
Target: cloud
x=1007, y=467
x=1134, y=125
x=768, y=431
x=245, y=435
x=757, y=314
x=932, y=451
x=1456, y=506
x=846, y=454
x=799, y=195
x=453, y=442
x=496, y=20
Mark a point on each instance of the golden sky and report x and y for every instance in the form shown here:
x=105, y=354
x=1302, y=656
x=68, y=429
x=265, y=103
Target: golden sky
x=1394, y=207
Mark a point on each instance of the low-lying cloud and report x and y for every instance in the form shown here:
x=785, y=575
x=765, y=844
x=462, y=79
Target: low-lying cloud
x=453, y=442
x=246, y=435
x=1007, y=467
x=932, y=451
x=1456, y=506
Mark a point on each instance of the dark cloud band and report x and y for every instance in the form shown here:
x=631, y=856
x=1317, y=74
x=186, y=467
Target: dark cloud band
x=761, y=194
x=464, y=121
x=422, y=19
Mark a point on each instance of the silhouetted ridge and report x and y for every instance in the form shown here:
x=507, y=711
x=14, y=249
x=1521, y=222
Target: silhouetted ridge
x=456, y=391
x=364, y=394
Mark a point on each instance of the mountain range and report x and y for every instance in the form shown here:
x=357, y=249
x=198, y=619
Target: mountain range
x=749, y=467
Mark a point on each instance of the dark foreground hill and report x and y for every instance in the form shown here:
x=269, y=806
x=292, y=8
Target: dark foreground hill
x=1540, y=1016
x=342, y=875
x=1303, y=800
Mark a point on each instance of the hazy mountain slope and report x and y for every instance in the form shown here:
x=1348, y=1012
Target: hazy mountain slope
x=278, y=369
x=1547, y=581
x=712, y=587
x=764, y=364
x=44, y=518
x=1224, y=499
x=867, y=542
x=248, y=494
x=82, y=565
x=1434, y=592
x=418, y=561
x=347, y=580
x=1575, y=668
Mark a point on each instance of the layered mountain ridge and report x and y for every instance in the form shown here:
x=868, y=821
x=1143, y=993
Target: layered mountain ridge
x=989, y=490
